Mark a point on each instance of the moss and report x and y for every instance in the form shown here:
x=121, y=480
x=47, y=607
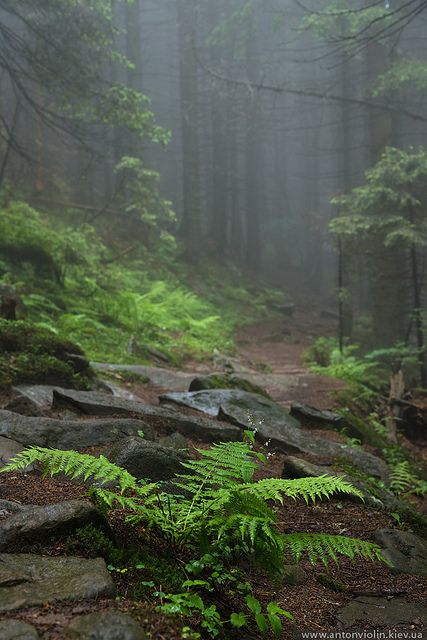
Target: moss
x=33, y=354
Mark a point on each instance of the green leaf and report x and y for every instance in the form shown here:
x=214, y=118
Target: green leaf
x=238, y=620
x=276, y=624
x=262, y=622
x=253, y=604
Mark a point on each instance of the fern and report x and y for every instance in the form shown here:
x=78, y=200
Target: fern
x=321, y=547
x=75, y=465
x=403, y=480
x=309, y=489
x=217, y=499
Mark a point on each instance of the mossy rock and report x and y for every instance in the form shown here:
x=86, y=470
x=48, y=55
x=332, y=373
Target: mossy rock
x=225, y=381
x=33, y=354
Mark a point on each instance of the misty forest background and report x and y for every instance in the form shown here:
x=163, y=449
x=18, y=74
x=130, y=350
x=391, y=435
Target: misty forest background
x=167, y=169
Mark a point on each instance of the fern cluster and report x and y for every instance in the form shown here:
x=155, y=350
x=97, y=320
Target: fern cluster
x=403, y=480
x=216, y=502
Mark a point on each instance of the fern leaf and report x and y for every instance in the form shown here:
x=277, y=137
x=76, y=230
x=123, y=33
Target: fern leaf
x=74, y=465
x=323, y=547
x=309, y=489
x=224, y=464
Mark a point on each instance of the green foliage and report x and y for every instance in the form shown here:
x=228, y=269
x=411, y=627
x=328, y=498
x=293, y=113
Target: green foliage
x=215, y=504
x=340, y=22
x=404, y=481
x=35, y=354
x=392, y=204
x=407, y=71
x=67, y=283
x=143, y=201
x=325, y=358
x=218, y=501
x=66, y=48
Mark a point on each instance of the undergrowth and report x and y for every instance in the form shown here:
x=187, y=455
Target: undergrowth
x=116, y=305
x=219, y=513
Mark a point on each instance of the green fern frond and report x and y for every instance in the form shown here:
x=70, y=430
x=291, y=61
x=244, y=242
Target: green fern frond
x=403, y=480
x=309, y=489
x=75, y=465
x=110, y=499
x=225, y=464
x=323, y=547
x=248, y=515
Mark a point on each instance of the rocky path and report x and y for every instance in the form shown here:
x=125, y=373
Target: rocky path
x=55, y=585
x=269, y=354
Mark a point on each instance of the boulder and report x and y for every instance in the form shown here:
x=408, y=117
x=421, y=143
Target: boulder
x=157, y=376
x=275, y=426
x=31, y=399
x=174, y=441
x=68, y=434
x=210, y=401
x=100, y=404
x=382, y=611
x=406, y=552
x=104, y=625
x=147, y=460
x=7, y=507
x=308, y=415
x=17, y=630
x=37, y=522
x=8, y=450
x=224, y=381
x=28, y=580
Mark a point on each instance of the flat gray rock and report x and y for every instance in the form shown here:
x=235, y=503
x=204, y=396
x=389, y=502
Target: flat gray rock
x=308, y=414
x=282, y=432
x=105, y=625
x=36, y=522
x=119, y=392
x=158, y=377
x=226, y=381
x=209, y=401
x=8, y=450
x=7, y=507
x=91, y=403
x=31, y=397
x=147, y=460
x=382, y=611
x=17, y=630
x=28, y=580
x=68, y=434
x=406, y=551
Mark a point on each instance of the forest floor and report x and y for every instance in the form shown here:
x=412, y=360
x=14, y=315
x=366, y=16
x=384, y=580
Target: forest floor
x=272, y=354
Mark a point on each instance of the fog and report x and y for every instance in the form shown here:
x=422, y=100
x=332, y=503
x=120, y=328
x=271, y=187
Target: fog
x=271, y=112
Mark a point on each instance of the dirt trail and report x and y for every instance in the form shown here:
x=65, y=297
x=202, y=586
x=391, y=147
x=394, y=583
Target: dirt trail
x=277, y=347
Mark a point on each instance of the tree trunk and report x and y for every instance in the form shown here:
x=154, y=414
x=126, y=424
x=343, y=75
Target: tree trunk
x=191, y=215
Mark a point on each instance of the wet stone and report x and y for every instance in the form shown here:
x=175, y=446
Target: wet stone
x=382, y=611
x=17, y=630
x=404, y=550
x=37, y=522
x=105, y=625
x=28, y=580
